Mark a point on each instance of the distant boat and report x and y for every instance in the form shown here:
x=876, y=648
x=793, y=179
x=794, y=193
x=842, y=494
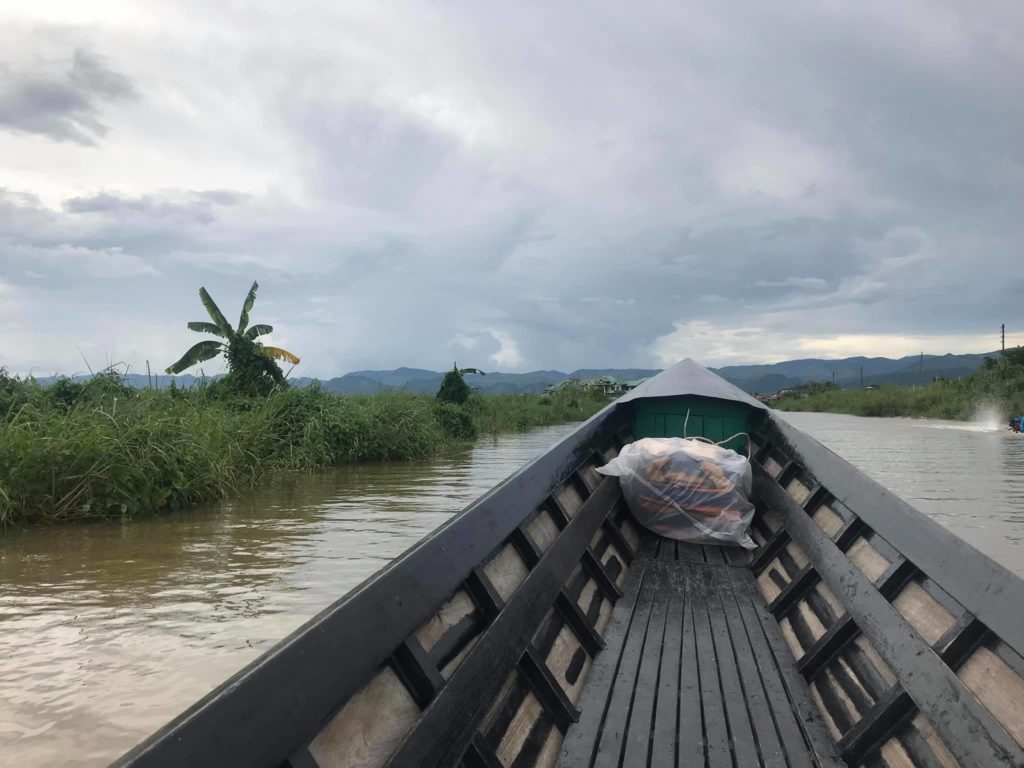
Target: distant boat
x=542, y=626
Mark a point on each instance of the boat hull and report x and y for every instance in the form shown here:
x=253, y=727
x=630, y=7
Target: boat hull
x=510, y=636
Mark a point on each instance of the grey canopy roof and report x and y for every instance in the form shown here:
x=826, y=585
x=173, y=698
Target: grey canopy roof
x=688, y=377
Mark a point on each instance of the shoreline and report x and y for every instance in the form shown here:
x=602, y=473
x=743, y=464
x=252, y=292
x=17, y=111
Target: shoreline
x=960, y=400
x=121, y=454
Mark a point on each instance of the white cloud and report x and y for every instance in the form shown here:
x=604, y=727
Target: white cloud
x=73, y=262
x=463, y=341
x=719, y=346
x=508, y=357
x=810, y=283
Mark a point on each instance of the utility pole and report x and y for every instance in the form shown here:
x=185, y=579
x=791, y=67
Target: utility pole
x=920, y=366
x=1003, y=334
x=862, y=377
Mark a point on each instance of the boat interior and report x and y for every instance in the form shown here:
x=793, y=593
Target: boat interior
x=544, y=627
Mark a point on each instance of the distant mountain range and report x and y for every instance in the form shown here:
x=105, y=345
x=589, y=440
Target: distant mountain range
x=415, y=380
x=904, y=371
x=768, y=378
x=427, y=382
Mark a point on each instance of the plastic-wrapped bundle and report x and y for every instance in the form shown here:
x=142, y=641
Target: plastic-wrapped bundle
x=686, y=489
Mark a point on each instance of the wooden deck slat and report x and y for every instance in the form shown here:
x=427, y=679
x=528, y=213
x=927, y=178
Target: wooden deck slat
x=695, y=673
x=655, y=547
x=613, y=731
x=779, y=703
x=691, y=718
x=713, y=554
x=663, y=742
x=716, y=734
x=690, y=553
x=787, y=691
x=641, y=716
x=666, y=549
x=772, y=753
x=740, y=729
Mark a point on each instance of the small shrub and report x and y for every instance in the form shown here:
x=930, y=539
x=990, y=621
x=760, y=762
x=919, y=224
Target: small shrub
x=455, y=422
x=65, y=393
x=454, y=388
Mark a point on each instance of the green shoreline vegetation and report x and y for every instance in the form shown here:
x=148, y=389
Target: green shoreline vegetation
x=77, y=451
x=98, y=449
x=997, y=387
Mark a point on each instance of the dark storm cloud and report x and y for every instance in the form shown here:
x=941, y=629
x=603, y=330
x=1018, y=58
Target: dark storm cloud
x=197, y=206
x=542, y=187
x=64, y=106
x=369, y=156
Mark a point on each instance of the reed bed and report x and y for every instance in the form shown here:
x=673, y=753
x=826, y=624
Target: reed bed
x=999, y=390
x=517, y=413
x=72, y=453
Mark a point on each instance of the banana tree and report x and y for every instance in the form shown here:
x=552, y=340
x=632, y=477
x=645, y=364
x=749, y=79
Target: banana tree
x=239, y=345
x=454, y=388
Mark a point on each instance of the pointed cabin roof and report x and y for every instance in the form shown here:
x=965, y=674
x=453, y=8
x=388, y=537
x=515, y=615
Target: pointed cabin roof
x=688, y=377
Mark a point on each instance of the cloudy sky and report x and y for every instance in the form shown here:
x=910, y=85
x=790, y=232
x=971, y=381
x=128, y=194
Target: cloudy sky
x=515, y=185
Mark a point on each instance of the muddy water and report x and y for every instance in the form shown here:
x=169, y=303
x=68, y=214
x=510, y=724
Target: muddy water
x=107, y=631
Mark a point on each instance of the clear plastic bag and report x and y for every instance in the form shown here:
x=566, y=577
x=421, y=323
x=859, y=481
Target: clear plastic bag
x=687, y=489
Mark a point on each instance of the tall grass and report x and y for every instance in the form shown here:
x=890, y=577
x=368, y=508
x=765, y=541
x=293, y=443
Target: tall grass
x=999, y=388
x=71, y=453
x=515, y=413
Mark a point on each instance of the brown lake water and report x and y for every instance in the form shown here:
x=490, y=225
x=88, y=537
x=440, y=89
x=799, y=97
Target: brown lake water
x=109, y=630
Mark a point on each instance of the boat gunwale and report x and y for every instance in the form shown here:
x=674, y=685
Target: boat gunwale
x=991, y=592
x=277, y=703
x=927, y=676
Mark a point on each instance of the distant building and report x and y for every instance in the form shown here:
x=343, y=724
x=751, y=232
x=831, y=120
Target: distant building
x=607, y=385
x=562, y=386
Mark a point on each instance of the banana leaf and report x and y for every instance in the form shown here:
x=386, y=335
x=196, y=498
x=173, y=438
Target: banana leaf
x=258, y=330
x=200, y=327
x=202, y=351
x=215, y=314
x=276, y=353
x=243, y=321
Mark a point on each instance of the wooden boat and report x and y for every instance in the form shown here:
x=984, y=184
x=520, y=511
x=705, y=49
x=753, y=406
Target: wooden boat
x=541, y=626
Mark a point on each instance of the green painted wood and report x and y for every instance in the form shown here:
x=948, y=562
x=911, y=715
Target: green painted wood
x=708, y=417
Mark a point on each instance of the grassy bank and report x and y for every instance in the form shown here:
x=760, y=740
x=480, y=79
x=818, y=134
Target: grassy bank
x=516, y=413
x=998, y=387
x=71, y=453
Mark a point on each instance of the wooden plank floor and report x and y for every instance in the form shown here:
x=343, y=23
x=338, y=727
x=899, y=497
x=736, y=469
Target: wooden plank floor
x=660, y=548
x=695, y=673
